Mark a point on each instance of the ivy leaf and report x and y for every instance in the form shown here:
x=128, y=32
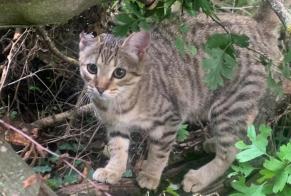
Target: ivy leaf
x=42, y=169
x=71, y=178
x=55, y=183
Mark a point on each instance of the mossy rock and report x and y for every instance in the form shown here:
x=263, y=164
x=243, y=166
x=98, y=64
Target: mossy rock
x=40, y=12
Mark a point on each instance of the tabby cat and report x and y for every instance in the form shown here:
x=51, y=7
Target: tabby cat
x=143, y=83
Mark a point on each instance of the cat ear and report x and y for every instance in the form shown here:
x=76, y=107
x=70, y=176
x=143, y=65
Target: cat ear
x=87, y=39
x=136, y=44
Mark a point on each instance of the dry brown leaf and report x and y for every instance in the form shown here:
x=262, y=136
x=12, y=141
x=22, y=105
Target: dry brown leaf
x=31, y=180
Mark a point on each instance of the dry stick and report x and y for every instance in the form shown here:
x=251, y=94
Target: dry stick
x=50, y=120
x=283, y=14
x=101, y=187
x=13, y=50
x=54, y=49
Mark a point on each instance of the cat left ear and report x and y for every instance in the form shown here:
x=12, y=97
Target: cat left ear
x=86, y=39
x=136, y=44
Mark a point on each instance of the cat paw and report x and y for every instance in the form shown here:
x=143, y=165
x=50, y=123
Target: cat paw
x=147, y=181
x=107, y=175
x=194, y=181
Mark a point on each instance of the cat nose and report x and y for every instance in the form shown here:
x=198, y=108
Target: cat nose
x=100, y=90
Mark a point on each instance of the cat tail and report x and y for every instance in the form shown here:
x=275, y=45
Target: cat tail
x=266, y=17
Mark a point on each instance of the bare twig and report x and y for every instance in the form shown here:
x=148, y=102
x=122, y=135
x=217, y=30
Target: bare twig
x=54, y=49
x=13, y=51
x=101, y=187
x=51, y=120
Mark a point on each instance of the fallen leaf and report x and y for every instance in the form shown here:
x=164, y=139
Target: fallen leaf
x=31, y=180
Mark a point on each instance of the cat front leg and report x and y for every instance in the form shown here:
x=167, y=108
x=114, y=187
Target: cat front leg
x=118, y=149
x=157, y=159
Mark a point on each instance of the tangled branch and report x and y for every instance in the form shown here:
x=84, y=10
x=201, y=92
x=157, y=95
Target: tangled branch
x=53, y=48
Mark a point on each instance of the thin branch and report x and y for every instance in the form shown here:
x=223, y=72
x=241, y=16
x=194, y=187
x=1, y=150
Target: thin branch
x=51, y=120
x=54, y=49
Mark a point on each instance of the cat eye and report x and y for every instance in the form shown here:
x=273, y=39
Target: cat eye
x=119, y=73
x=92, y=68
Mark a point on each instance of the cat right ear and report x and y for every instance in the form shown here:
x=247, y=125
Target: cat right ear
x=136, y=44
x=87, y=39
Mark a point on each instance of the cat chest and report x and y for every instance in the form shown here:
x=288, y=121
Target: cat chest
x=130, y=119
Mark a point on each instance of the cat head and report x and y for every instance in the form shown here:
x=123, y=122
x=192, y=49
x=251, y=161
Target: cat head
x=111, y=66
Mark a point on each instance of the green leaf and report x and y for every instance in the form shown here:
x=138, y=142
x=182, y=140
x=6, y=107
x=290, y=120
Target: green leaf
x=191, y=50
x=240, y=40
x=287, y=57
x=273, y=164
x=144, y=25
x=71, y=178
x=182, y=134
x=70, y=146
x=243, y=168
x=123, y=19
x=120, y=30
x=171, y=189
x=266, y=174
x=251, y=133
x=42, y=169
x=289, y=179
x=241, y=145
x=55, y=183
x=241, y=187
x=180, y=45
x=285, y=152
x=13, y=115
x=128, y=173
x=249, y=154
x=258, y=146
x=280, y=181
x=184, y=28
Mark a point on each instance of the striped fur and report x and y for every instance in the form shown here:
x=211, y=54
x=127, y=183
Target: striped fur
x=162, y=89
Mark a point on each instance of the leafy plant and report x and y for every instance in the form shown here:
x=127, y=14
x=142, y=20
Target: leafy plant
x=221, y=61
x=134, y=15
x=272, y=177
x=183, y=133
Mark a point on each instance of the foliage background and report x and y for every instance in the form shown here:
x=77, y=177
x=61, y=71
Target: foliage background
x=39, y=84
